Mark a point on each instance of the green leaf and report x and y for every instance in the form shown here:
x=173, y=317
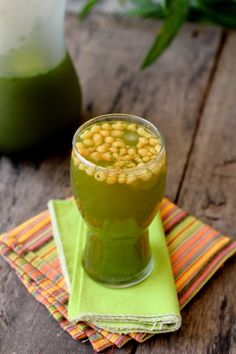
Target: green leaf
x=219, y=12
x=176, y=16
x=151, y=11
x=87, y=8
x=142, y=2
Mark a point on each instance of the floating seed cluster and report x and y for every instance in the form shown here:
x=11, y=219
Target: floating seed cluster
x=120, y=146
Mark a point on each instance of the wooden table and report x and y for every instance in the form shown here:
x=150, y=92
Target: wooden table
x=190, y=93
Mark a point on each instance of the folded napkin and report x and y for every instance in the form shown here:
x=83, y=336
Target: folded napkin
x=151, y=306
x=196, y=250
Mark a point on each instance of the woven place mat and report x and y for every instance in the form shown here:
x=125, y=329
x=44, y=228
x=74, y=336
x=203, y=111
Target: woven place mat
x=196, y=250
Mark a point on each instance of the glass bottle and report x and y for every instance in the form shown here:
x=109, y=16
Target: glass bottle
x=39, y=90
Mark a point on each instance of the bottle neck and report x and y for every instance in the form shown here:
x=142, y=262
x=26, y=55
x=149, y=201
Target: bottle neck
x=31, y=36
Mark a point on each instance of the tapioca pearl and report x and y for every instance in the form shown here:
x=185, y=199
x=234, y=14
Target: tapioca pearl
x=138, y=159
x=100, y=176
x=145, y=175
x=98, y=139
x=81, y=148
x=111, y=178
x=107, y=156
x=122, y=178
x=131, y=178
x=148, y=135
x=79, y=145
x=105, y=133
x=115, y=154
x=118, y=126
x=139, y=146
x=126, y=158
x=86, y=134
x=88, y=142
x=131, y=127
x=131, y=151
x=143, y=152
x=92, y=149
x=113, y=149
x=141, y=131
x=103, y=148
x=118, y=143
x=119, y=163
x=122, y=152
x=152, y=150
x=84, y=152
x=117, y=133
x=109, y=139
x=155, y=169
x=146, y=159
x=95, y=128
x=106, y=126
x=153, y=141
x=82, y=167
x=130, y=165
x=142, y=141
x=90, y=171
x=96, y=156
x=130, y=138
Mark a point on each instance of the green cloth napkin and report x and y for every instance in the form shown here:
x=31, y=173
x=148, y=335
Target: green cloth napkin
x=151, y=306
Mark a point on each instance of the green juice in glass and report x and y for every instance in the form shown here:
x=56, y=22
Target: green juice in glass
x=34, y=108
x=118, y=173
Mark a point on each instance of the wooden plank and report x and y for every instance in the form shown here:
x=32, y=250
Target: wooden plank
x=106, y=51
x=209, y=188
x=209, y=191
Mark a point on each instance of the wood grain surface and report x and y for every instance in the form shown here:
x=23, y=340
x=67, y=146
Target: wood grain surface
x=190, y=95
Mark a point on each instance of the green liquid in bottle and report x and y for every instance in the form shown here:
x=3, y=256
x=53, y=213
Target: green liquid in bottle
x=36, y=108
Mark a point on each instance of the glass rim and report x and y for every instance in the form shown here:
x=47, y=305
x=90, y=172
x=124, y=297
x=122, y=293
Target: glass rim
x=125, y=117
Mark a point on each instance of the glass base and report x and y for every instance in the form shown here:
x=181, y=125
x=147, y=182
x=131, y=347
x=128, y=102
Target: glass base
x=123, y=283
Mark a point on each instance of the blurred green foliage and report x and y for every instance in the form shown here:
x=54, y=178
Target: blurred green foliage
x=174, y=14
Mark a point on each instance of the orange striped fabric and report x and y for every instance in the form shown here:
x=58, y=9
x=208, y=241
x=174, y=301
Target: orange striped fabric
x=196, y=250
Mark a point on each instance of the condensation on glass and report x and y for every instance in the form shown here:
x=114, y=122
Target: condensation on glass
x=31, y=36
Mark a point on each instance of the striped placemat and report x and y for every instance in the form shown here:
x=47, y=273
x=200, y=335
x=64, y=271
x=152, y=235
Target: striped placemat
x=196, y=252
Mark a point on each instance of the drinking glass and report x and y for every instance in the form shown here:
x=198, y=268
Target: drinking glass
x=118, y=205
